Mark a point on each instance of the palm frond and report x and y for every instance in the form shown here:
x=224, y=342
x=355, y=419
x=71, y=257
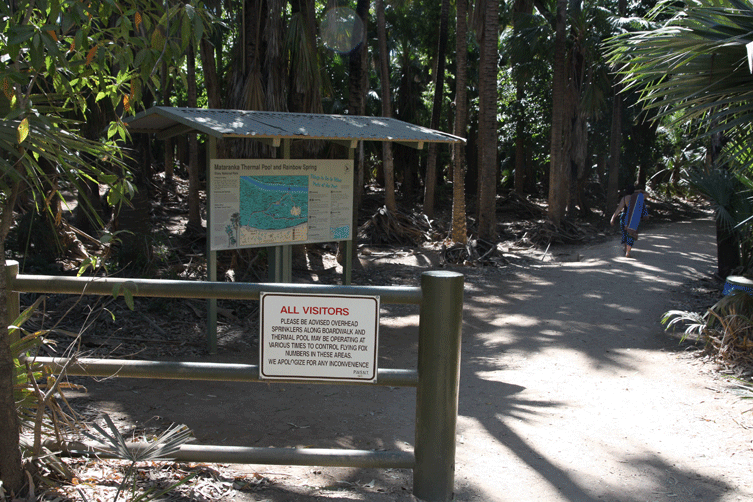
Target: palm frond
x=694, y=66
x=694, y=321
x=162, y=447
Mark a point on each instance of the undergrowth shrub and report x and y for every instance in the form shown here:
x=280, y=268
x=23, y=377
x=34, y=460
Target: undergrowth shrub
x=726, y=329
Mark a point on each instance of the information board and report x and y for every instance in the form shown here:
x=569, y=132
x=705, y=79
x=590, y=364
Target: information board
x=270, y=202
x=318, y=337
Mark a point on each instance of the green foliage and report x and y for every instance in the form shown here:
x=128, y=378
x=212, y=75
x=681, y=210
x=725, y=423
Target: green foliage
x=127, y=289
x=63, y=65
x=25, y=392
x=726, y=328
x=534, y=108
x=38, y=395
x=35, y=391
x=693, y=67
x=733, y=206
x=60, y=58
x=725, y=189
x=77, y=49
x=677, y=154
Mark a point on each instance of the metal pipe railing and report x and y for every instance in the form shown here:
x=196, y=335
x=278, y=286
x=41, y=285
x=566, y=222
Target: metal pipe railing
x=367, y=459
x=437, y=379
x=217, y=372
x=105, y=286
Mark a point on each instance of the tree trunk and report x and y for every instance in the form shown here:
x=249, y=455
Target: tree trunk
x=304, y=79
x=275, y=65
x=384, y=59
x=99, y=117
x=576, y=122
x=520, y=152
x=521, y=8
x=430, y=182
x=11, y=473
x=194, y=209
x=166, y=85
x=531, y=170
x=645, y=133
x=582, y=167
x=357, y=106
x=615, y=146
x=408, y=99
x=211, y=79
x=727, y=240
x=136, y=250
x=558, y=170
x=459, y=232
x=615, y=139
x=212, y=84
x=727, y=250
x=487, y=126
x=245, y=89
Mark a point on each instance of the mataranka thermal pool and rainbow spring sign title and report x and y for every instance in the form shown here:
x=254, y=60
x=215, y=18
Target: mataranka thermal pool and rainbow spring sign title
x=272, y=202
x=318, y=337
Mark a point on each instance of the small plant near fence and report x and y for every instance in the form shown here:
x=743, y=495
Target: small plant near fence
x=726, y=330
x=46, y=420
x=41, y=406
x=110, y=441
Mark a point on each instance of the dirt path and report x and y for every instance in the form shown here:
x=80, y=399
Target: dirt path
x=570, y=391
x=578, y=394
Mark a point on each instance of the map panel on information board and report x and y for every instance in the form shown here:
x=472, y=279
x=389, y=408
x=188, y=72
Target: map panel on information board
x=270, y=202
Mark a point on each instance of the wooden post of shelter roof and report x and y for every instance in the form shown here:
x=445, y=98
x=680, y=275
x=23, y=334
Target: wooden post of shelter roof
x=211, y=255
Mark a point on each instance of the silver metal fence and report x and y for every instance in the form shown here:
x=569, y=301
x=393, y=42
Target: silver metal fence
x=436, y=379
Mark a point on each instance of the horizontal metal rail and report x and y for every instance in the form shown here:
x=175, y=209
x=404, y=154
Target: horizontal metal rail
x=220, y=372
x=24, y=283
x=439, y=335
x=255, y=455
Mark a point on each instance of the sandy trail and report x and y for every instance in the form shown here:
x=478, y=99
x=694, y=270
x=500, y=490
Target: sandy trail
x=570, y=391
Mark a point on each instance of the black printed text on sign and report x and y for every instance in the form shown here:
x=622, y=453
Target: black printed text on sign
x=319, y=337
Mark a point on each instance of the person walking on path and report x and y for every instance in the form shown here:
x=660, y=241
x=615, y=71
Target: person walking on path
x=631, y=209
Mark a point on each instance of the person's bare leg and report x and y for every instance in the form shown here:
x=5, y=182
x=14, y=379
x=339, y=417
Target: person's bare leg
x=627, y=251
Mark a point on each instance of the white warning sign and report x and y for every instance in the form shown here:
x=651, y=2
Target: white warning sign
x=319, y=337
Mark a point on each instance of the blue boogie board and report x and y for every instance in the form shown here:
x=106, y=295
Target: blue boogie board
x=635, y=211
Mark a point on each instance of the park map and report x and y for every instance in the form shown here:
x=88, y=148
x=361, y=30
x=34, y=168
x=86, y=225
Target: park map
x=275, y=202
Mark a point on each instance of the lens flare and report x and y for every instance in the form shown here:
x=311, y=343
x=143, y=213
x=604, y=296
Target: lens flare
x=342, y=30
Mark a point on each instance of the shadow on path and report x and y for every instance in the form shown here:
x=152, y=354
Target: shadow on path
x=566, y=333
x=556, y=398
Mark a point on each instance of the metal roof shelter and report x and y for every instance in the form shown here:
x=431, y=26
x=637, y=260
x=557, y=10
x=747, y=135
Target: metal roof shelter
x=277, y=129
x=274, y=127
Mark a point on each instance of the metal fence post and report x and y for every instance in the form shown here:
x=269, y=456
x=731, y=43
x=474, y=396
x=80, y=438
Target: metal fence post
x=13, y=298
x=439, y=335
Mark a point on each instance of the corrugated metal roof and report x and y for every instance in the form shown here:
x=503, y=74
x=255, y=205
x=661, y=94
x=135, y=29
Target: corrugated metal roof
x=167, y=122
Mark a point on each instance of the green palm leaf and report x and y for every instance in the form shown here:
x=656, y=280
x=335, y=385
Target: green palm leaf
x=162, y=447
x=693, y=67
